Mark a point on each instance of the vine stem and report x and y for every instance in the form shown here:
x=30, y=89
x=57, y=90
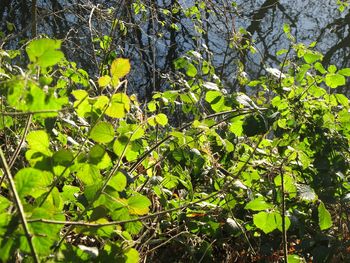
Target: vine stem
x=284, y=232
x=19, y=206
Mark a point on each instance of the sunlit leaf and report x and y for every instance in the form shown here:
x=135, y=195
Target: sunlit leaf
x=265, y=221
x=118, y=181
x=132, y=256
x=33, y=182
x=258, y=204
x=335, y=80
x=45, y=52
x=102, y=132
x=138, y=205
x=161, y=119
x=104, y=81
x=120, y=68
x=39, y=141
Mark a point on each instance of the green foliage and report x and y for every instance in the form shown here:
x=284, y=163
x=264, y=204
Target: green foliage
x=99, y=164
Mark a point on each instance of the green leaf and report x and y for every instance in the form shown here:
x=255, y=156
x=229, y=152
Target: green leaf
x=334, y=80
x=119, y=146
x=295, y=259
x=89, y=174
x=332, y=69
x=104, y=81
x=152, y=121
x=318, y=66
x=216, y=100
x=39, y=141
x=118, y=181
x=278, y=219
x=161, y=119
x=344, y=72
x=69, y=192
x=258, y=204
x=4, y=204
x=236, y=126
x=44, y=52
x=289, y=183
x=99, y=157
x=138, y=205
x=120, y=68
x=33, y=182
x=311, y=57
x=131, y=131
x=342, y=99
x=132, y=256
x=265, y=221
x=44, y=237
x=152, y=106
x=102, y=132
x=63, y=157
x=324, y=217
x=82, y=103
x=119, y=107
x=191, y=70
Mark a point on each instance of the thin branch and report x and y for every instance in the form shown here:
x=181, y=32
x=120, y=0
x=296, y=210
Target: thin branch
x=15, y=154
x=19, y=206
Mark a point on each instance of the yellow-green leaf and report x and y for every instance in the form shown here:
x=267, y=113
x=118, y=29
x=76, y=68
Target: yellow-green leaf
x=138, y=205
x=162, y=119
x=102, y=132
x=120, y=68
x=104, y=81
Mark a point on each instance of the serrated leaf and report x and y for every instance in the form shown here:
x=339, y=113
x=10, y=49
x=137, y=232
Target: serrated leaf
x=119, y=146
x=45, y=52
x=236, y=125
x=289, y=183
x=44, y=237
x=216, y=100
x=89, y=174
x=131, y=131
x=4, y=204
x=33, y=182
x=161, y=119
x=119, y=107
x=39, y=141
x=99, y=157
x=118, y=181
x=102, y=132
x=324, y=217
x=120, y=68
x=138, y=205
x=104, y=81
